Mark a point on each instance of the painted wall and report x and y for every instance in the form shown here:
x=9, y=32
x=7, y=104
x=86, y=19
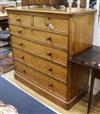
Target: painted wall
x=96, y=41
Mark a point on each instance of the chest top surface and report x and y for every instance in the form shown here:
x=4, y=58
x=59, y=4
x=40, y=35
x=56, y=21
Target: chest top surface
x=51, y=10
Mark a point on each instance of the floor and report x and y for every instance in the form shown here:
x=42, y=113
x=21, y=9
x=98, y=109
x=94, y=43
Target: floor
x=79, y=108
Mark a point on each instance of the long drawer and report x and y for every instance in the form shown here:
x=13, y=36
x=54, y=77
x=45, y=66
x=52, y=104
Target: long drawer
x=37, y=35
x=55, y=87
x=47, y=67
x=41, y=50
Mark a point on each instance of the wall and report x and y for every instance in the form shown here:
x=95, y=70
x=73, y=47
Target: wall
x=96, y=41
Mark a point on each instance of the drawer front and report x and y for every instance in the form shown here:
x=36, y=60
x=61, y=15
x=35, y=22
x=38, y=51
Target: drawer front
x=16, y=30
x=41, y=50
x=24, y=20
x=45, y=37
x=43, y=81
x=48, y=38
x=51, y=24
x=56, y=71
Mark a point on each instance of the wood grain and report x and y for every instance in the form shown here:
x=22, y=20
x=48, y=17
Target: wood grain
x=43, y=43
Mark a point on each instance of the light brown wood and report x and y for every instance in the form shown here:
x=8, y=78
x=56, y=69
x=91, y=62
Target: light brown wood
x=40, y=50
x=40, y=36
x=71, y=31
x=51, y=24
x=81, y=33
x=15, y=30
x=22, y=20
x=42, y=81
x=51, y=11
x=47, y=67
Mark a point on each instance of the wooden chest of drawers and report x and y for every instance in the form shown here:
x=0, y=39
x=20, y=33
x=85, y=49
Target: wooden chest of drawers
x=43, y=40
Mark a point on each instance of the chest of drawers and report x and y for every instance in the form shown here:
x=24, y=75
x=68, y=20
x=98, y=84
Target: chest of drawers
x=43, y=40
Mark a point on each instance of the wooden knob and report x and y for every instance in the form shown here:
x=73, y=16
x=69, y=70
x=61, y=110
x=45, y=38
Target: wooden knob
x=20, y=32
x=22, y=57
x=50, y=69
x=21, y=44
x=50, y=84
x=49, y=39
x=49, y=54
x=24, y=71
x=18, y=19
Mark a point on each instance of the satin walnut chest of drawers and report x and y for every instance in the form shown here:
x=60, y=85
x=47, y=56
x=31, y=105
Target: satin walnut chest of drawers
x=43, y=40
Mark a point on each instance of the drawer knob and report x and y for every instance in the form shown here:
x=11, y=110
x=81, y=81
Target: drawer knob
x=22, y=57
x=20, y=32
x=49, y=18
x=50, y=69
x=24, y=71
x=18, y=19
x=49, y=39
x=21, y=44
x=49, y=54
x=50, y=84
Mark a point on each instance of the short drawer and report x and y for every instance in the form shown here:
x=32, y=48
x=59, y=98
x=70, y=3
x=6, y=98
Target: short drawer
x=41, y=50
x=43, y=81
x=24, y=20
x=51, y=24
x=46, y=37
x=47, y=67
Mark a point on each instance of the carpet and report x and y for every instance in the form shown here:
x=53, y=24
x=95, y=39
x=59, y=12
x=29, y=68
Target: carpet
x=24, y=103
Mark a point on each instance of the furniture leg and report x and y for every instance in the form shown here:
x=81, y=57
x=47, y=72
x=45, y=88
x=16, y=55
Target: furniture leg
x=91, y=90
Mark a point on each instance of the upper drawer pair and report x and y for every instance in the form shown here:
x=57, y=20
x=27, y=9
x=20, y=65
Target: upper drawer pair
x=40, y=22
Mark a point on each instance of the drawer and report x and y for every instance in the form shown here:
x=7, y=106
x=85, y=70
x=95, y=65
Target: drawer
x=43, y=81
x=24, y=20
x=46, y=37
x=51, y=24
x=41, y=50
x=16, y=30
x=47, y=67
